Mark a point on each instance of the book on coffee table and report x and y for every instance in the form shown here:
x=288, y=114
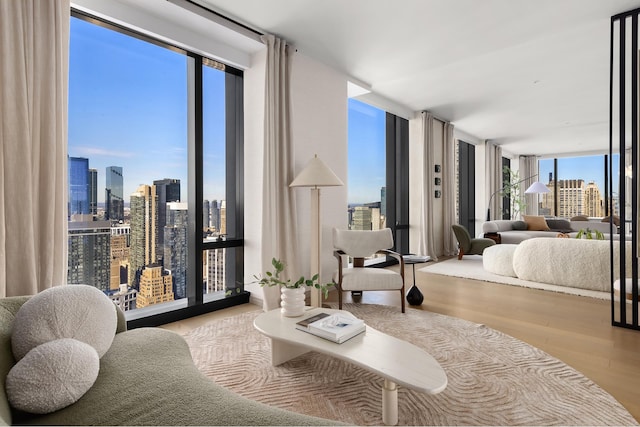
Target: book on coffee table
x=335, y=327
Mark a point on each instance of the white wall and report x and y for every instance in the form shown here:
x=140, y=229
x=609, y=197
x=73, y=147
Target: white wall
x=416, y=154
x=319, y=126
x=319, y=115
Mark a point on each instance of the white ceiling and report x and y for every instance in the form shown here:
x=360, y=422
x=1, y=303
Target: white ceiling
x=530, y=75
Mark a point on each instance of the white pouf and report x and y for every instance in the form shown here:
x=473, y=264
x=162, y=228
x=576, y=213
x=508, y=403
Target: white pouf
x=577, y=263
x=498, y=259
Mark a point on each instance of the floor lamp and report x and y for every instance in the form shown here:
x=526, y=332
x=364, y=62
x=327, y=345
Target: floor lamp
x=315, y=175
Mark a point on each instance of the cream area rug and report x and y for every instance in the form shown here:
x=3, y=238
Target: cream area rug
x=493, y=379
x=470, y=267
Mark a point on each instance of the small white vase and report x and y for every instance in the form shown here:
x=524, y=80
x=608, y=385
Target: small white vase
x=292, y=301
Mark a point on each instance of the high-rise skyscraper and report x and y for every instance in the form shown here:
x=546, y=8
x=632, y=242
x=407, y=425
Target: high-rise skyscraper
x=206, y=215
x=120, y=247
x=570, y=197
x=361, y=218
x=93, y=191
x=89, y=253
x=215, y=215
x=215, y=269
x=175, y=247
x=114, y=194
x=222, y=217
x=155, y=286
x=78, y=179
x=167, y=190
x=593, y=203
x=143, y=223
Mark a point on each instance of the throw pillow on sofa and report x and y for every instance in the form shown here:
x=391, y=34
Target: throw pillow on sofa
x=81, y=312
x=58, y=338
x=519, y=225
x=535, y=223
x=52, y=376
x=560, y=225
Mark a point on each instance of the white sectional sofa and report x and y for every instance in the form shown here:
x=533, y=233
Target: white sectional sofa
x=514, y=232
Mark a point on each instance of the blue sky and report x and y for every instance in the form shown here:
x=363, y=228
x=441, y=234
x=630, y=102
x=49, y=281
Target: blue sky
x=367, y=157
x=128, y=108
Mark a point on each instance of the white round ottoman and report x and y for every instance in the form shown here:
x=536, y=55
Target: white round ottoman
x=498, y=259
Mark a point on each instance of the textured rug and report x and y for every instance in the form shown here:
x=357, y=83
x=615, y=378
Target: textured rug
x=494, y=379
x=470, y=267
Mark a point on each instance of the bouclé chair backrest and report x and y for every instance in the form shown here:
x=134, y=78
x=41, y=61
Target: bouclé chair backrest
x=463, y=236
x=361, y=244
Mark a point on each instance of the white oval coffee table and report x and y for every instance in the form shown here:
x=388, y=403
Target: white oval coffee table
x=395, y=360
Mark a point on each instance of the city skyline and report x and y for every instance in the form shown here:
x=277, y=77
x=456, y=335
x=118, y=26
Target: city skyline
x=128, y=108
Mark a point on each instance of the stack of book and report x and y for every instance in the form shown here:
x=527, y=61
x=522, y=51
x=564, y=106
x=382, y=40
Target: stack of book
x=416, y=258
x=335, y=327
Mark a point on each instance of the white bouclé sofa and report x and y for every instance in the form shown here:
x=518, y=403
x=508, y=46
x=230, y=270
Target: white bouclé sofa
x=576, y=263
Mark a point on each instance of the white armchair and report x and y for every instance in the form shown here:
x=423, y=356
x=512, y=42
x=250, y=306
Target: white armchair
x=359, y=245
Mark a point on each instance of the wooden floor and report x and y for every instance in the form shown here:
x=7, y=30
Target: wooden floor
x=576, y=330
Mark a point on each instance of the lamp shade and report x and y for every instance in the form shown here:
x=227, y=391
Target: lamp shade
x=537, y=187
x=316, y=174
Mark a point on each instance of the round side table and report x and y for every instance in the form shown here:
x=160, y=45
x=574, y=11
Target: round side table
x=414, y=296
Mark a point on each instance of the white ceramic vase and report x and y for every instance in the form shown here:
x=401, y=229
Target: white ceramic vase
x=292, y=301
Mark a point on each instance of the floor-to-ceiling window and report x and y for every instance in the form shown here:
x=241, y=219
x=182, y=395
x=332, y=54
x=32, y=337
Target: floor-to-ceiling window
x=577, y=187
x=377, y=171
x=156, y=132
x=367, y=182
x=466, y=186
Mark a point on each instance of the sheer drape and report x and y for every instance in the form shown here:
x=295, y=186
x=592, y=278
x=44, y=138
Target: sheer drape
x=493, y=177
x=279, y=234
x=34, y=47
x=528, y=172
x=426, y=243
x=449, y=194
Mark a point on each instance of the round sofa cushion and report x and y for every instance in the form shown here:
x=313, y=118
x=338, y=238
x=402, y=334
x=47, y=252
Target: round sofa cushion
x=52, y=376
x=498, y=259
x=81, y=312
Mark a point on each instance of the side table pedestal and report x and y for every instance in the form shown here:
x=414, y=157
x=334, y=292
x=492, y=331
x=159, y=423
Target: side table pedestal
x=414, y=296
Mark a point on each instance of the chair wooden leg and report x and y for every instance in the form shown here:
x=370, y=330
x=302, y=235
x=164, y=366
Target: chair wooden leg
x=460, y=253
x=339, y=299
x=402, y=298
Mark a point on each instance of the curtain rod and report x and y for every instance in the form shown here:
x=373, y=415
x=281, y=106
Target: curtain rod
x=218, y=18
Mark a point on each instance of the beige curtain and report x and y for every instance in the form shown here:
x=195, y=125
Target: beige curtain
x=279, y=230
x=493, y=177
x=34, y=51
x=426, y=241
x=449, y=193
x=529, y=174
